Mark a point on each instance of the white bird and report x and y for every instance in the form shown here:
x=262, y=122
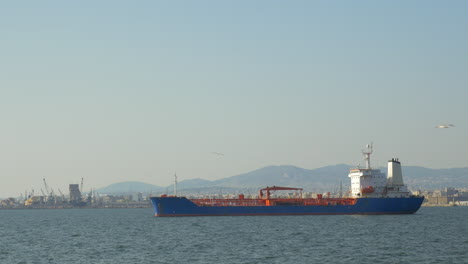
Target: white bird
x=445, y=126
x=218, y=153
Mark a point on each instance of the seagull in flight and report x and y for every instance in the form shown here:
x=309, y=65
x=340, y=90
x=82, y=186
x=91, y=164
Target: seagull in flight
x=445, y=126
x=218, y=153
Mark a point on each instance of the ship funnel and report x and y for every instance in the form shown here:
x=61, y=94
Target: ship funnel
x=394, y=176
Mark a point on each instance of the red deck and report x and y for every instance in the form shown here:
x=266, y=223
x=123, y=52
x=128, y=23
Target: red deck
x=274, y=202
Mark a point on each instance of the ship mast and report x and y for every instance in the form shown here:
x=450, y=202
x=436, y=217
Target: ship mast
x=341, y=190
x=175, y=184
x=367, y=152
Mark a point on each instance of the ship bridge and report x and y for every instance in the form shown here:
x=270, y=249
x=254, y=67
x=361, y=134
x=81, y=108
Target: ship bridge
x=368, y=182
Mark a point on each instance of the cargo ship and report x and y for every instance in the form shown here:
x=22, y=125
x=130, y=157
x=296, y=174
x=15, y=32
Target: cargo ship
x=372, y=192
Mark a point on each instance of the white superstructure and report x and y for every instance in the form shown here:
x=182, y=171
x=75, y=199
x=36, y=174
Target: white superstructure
x=368, y=182
x=395, y=185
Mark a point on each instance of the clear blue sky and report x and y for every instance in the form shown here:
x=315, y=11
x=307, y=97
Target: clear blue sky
x=132, y=91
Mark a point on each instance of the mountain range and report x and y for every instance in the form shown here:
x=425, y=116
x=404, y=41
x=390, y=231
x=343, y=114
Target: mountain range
x=322, y=179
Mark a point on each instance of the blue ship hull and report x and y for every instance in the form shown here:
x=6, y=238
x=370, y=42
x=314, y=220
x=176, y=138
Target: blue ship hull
x=181, y=206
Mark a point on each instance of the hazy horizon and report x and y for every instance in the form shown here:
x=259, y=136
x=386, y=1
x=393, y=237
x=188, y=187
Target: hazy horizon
x=117, y=91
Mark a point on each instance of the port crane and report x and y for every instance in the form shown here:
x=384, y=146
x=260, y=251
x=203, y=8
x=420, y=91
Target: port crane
x=46, y=186
x=53, y=196
x=61, y=194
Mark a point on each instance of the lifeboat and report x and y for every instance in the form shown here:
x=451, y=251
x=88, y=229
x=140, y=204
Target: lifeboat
x=368, y=189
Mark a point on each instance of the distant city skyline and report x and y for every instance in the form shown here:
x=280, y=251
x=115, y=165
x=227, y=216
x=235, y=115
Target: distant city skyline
x=117, y=91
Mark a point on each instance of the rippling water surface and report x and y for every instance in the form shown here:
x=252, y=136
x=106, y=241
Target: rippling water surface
x=432, y=235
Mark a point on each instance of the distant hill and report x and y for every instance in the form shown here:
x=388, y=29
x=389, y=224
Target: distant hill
x=289, y=176
x=424, y=178
x=322, y=179
x=193, y=183
x=130, y=187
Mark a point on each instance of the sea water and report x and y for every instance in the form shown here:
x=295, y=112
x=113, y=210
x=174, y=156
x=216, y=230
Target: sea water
x=432, y=235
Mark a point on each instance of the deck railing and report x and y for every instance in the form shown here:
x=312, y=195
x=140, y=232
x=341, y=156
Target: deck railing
x=274, y=202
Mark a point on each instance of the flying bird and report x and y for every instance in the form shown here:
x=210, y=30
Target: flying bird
x=445, y=126
x=218, y=153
